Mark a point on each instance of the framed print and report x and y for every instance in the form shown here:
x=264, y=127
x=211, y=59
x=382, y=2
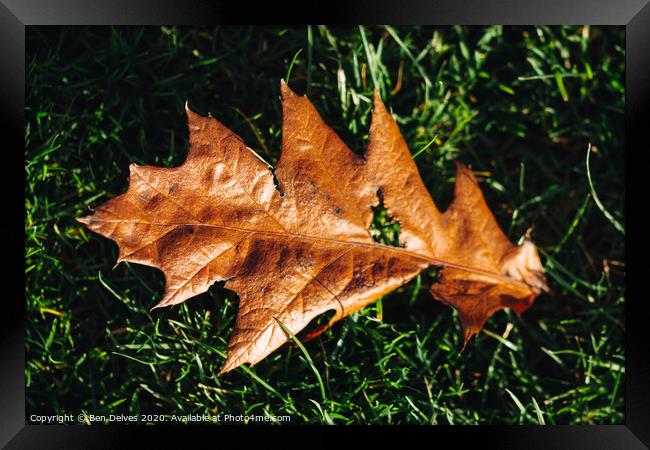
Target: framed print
x=388, y=215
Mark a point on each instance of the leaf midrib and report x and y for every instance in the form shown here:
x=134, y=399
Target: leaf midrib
x=399, y=250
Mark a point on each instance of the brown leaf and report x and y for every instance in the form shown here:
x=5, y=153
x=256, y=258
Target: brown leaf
x=484, y=271
x=297, y=254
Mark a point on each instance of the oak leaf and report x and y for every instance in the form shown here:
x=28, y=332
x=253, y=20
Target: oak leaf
x=303, y=248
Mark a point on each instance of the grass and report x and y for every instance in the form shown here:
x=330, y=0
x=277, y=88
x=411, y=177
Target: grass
x=520, y=104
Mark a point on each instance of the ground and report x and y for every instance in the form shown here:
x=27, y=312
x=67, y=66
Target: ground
x=519, y=104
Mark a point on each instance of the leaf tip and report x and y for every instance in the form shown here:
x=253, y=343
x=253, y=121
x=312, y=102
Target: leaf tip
x=156, y=306
x=133, y=168
x=85, y=219
x=378, y=104
x=285, y=90
x=466, y=184
x=191, y=115
x=463, y=169
x=229, y=365
x=90, y=221
x=223, y=371
x=469, y=332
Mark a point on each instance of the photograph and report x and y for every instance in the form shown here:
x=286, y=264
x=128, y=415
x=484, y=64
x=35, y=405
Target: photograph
x=336, y=225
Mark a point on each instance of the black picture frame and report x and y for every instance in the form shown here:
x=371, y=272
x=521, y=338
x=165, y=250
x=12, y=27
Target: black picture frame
x=15, y=15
